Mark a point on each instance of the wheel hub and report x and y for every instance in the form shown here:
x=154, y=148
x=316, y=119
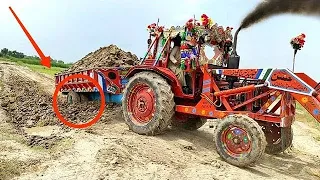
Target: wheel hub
x=141, y=103
x=236, y=141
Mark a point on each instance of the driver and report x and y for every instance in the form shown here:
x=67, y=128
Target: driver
x=175, y=60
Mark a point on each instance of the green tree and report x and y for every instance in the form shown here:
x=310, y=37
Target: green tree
x=4, y=51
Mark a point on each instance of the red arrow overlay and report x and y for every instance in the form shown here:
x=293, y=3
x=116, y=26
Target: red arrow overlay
x=45, y=60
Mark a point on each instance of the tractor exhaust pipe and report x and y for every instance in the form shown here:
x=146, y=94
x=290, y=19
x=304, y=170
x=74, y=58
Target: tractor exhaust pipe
x=234, y=47
x=234, y=60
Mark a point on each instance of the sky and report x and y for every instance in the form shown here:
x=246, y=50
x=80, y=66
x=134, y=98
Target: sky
x=69, y=29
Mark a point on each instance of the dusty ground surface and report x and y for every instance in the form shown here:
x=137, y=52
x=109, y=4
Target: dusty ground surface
x=42, y=148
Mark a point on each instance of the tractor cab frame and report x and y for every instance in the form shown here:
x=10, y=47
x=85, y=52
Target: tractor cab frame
x=192, y=53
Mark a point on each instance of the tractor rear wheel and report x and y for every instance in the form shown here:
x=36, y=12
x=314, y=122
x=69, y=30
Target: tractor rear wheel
x=148, y=104
x=279, y=144
x=239, y=140
x=73, y=97
x=190, y=124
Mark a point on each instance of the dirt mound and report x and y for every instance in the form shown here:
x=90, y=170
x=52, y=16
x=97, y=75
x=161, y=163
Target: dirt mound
x=105, y=57
x=25, y=103
x=29, y=105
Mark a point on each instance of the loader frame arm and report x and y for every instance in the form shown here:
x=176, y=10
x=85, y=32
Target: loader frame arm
x=279, y=89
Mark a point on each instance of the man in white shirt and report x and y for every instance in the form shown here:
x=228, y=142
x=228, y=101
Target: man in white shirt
x=175, y=60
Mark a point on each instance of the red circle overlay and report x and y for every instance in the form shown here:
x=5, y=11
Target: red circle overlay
x=55, y=104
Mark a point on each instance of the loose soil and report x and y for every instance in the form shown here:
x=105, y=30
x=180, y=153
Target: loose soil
x=109, y=56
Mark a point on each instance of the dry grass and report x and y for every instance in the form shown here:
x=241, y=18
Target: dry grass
x=306, y=118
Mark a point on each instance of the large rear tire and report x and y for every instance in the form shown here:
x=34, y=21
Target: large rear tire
x=148, y=104
x=239, y=140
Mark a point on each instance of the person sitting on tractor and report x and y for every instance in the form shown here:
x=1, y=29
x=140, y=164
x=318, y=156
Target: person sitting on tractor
x=174, y=63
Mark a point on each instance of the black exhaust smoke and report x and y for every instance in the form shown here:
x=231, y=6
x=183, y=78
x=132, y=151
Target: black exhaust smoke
x=269, y=8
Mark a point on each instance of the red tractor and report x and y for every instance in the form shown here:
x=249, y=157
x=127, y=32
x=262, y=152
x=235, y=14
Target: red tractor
x=255, y=107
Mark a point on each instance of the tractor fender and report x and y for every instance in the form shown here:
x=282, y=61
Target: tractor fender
x=164, y=72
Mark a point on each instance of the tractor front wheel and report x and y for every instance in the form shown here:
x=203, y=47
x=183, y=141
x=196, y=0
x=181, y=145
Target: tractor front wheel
x=239, y=140
x=148, y=104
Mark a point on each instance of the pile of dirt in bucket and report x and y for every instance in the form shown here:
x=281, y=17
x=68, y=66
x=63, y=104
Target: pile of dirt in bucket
x=109, y=56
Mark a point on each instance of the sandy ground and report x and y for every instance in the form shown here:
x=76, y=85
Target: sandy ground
x=108, y=150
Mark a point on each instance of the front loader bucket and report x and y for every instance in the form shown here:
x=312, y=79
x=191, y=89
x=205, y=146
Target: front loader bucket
x=310, y=103
x=307, y=79
x=303, y=89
